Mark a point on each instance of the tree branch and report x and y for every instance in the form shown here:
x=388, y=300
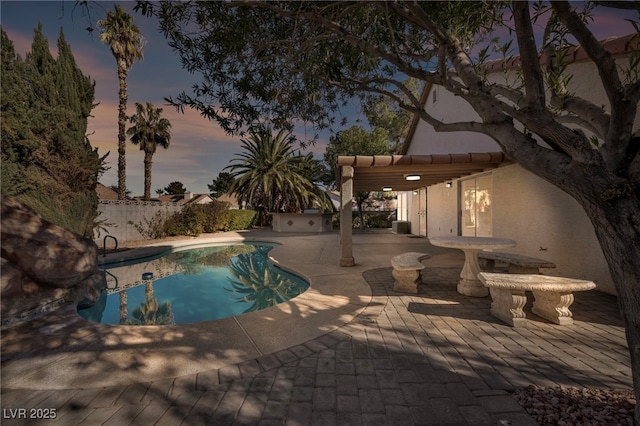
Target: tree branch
x=533, y=81
x=589, y=113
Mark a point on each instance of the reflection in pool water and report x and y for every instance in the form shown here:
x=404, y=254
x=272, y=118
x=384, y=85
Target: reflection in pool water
x=194, y=285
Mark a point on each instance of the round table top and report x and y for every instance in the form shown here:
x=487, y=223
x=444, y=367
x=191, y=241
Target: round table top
x=476, y=243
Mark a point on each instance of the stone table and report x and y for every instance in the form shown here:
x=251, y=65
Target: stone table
x=469, y=284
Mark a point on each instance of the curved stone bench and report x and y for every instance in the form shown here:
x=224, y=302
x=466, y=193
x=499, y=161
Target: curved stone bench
x=517, y=263
x=552, y=296
x=406, y=271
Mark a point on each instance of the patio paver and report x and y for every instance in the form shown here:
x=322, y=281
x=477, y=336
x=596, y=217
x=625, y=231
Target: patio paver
x=436, y=358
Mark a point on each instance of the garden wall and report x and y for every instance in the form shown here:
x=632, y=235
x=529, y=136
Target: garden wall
x=116, y=215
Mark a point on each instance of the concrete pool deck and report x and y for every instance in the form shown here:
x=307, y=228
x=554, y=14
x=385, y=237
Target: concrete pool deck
x=349, y=350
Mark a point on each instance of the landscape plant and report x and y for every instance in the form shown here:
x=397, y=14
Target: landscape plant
x=48, y=162
x=195, y=219
x=125, y=40
x=271, y=176
x=149, y=130
x=356, y=140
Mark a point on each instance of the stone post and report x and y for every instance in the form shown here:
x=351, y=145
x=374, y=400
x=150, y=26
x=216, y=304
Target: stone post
x=346, y=216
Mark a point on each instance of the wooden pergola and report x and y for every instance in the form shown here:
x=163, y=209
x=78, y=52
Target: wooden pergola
x=401, y=173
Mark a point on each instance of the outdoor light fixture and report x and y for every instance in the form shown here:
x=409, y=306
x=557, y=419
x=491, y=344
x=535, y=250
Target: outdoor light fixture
x=386, y=188
x=412, y=177
x=448, y=184
x=415, y=192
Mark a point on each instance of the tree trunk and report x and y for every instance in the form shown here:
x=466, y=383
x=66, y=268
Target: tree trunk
x=122, y=120
x=617, y=227
x=147, y=175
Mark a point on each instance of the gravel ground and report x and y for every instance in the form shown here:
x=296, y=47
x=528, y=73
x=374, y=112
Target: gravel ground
x=577, y=406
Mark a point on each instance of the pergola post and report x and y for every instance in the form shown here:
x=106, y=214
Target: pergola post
x=346, y=216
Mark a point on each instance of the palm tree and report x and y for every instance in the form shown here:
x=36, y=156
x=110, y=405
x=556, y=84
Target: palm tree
x=149, y=130
x=126, y=43
x=270, y=175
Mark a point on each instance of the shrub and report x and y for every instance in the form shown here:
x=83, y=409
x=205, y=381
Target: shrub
x=153, y=228
x=189, y=221
x=216, y=216
x=371, y=220
x=240, y=219
x=195, y=219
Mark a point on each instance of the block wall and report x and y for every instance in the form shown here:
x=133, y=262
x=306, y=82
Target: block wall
x=119, y=218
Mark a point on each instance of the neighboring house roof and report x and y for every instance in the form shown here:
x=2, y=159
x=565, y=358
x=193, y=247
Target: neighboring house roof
x=105, y=193
x=187, y=198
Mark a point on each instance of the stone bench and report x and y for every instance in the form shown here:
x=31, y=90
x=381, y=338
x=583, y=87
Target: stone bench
x=406, y=271
x=517, y=263
x=552, y=296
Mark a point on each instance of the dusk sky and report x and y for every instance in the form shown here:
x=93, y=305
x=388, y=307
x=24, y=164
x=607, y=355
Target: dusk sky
x=199, y=148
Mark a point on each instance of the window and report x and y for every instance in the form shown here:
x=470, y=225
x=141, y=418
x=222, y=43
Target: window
x=476, y=206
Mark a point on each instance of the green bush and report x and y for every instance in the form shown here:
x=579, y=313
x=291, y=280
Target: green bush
x=372, y=219
x=216, y=215
x=195, y=219
x=241, y=219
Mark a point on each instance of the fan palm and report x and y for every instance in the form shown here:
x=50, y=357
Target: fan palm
x=149, y=130
x=270, y=174
x=126, y=43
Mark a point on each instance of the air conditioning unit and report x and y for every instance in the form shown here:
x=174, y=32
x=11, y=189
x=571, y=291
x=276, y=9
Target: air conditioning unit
x=400, y=227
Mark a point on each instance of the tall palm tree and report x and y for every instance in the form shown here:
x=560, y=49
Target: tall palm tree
x=126, y=43
x=149, y=130
x=270, y=175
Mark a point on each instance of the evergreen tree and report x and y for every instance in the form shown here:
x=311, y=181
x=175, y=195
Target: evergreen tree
x=47, y=161
x=175, y=187
x=221, y=184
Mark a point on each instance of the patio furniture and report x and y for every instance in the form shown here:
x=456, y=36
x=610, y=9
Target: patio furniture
x=469, y=284
x=517, y=264
x=406, y=271
x=552, y=296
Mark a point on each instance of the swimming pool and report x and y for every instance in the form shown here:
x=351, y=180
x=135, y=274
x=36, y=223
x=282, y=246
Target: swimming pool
x=193, y=285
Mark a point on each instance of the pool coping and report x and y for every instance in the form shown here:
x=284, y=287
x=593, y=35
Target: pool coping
x=61, y=350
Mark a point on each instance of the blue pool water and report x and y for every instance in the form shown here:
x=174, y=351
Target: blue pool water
x=194, y=285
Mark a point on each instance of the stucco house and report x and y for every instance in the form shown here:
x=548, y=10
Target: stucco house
x=468, y=187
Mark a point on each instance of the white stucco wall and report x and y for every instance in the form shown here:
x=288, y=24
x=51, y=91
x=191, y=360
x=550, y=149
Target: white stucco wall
x=544, y=221
x=448, y=108
x=442, y=210
x=547, y=223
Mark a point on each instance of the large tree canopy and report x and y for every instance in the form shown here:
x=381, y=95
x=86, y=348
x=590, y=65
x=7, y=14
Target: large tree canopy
x=300, y=60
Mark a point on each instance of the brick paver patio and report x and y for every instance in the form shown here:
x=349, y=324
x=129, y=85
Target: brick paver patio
x=435, y=358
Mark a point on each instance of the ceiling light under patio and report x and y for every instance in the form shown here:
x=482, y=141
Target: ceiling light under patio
x=412, y=177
